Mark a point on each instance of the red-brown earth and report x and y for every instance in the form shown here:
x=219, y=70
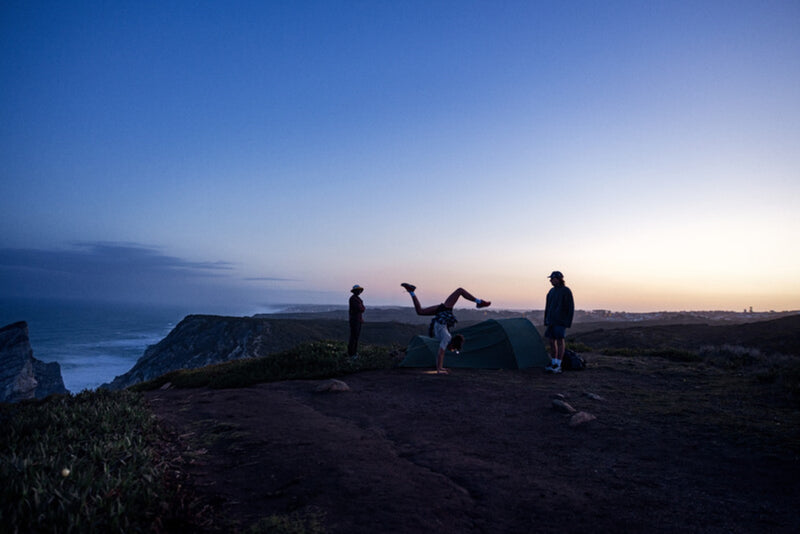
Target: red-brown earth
x=675, y=447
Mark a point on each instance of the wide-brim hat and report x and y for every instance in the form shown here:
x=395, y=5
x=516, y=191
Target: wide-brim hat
x=357, y=289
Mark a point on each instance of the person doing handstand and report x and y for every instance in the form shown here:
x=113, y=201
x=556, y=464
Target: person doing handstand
x=444, y=320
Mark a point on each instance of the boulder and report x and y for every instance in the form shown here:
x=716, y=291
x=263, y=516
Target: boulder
x=563, y=407
x=593, y=396
x=332, y=385
x=21, y=375
x=581, y=418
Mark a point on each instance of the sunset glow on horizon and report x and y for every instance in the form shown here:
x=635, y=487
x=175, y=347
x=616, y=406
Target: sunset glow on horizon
x=278, y=152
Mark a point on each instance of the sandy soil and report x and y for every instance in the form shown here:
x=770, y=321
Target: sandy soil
x=674, y=448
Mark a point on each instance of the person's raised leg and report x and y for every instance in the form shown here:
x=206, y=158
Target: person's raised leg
x=430, y=310
x=461, y=292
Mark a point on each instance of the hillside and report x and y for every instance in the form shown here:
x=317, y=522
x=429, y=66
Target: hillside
x=709, y=443
x=675, y=447
x=201, y=340
x=774, y=336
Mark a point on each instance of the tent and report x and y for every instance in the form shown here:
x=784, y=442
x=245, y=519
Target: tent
x=493, y=344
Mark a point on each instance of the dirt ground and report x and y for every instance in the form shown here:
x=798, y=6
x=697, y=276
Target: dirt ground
x=674, y=447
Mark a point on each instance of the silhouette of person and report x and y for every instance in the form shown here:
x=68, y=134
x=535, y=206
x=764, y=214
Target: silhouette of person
x=558, y=312
x=443, y=320
x=356, y=314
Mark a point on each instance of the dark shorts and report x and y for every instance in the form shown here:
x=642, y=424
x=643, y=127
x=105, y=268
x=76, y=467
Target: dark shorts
x=555, y=332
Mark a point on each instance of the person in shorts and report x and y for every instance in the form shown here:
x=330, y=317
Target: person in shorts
x=558, y=312
x=443, y=320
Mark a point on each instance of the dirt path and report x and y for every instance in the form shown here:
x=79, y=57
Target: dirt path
x=672, y=449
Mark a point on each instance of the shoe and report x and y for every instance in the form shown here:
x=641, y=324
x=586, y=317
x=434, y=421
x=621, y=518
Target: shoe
x=409, y=287
x=553, y=369
x=484, y=304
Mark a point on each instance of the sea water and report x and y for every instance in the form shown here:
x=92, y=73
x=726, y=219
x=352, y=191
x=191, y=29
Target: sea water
x=93, y=342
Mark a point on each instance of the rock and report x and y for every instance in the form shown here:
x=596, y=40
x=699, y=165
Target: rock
x=166, y=386
x=332, y=385
x=559, y=396
x=21, y=375
x=581, y=418
x=593, y=396
x=562, y=406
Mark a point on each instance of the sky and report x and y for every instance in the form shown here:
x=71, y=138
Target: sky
x=253, y=153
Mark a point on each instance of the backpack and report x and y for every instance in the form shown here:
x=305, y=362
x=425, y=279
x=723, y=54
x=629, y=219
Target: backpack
x=573, y=361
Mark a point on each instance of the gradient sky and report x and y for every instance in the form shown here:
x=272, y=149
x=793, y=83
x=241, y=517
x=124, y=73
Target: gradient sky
x=255, y=153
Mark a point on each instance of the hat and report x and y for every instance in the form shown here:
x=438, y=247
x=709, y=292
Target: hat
x=356, y=288
x=556, y=274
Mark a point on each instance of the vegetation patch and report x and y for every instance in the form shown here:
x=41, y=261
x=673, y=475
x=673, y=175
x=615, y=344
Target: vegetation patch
x=578, y=347
x=315, y=360
x=308, y=522
x=669, y=353
x=92, y=462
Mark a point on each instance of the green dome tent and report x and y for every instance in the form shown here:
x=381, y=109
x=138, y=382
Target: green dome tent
x=493, y=344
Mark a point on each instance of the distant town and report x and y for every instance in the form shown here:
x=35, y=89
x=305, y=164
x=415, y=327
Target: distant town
x=747, y=315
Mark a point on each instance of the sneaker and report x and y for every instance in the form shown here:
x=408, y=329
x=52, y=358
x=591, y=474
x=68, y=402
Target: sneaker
x=484, y=304
x=553, y=369
x=409, y=287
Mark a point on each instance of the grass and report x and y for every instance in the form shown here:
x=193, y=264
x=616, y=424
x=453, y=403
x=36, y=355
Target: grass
x=99, y=461
x=91, y=462
x=315, y=360
x=310, y=522
x=669, y=353
x=780, y=371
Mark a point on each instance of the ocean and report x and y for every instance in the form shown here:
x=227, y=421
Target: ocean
x=93, y=342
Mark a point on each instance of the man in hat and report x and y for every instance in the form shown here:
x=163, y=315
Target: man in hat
x=356, y=318
x=558, y=313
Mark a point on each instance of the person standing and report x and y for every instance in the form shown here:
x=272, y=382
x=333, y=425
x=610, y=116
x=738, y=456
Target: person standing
x=558, y=312
x=356, y=319
x=443, y=320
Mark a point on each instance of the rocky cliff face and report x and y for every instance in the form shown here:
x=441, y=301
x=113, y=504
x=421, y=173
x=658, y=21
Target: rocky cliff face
x=201, y=340
x=21, y=375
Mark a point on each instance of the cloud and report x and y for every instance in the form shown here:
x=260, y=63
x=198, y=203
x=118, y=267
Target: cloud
x=117, y=271
x=107, y=258
x=272, y=279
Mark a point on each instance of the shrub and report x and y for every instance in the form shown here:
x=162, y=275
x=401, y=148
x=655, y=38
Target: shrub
x=579, y=347
x=730, y=356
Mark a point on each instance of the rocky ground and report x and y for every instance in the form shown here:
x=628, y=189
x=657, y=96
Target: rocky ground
x=675, y=447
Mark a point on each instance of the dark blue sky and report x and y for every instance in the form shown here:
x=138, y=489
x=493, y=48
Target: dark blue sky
x=283, y=151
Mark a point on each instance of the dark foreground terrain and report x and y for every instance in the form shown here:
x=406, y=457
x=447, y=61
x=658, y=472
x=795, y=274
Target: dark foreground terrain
x=675, y=447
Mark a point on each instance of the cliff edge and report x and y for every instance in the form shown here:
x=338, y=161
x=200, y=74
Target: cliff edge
x=201, y=340
x=21, y=375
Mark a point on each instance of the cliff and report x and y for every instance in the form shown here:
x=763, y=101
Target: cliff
x=21, y=375
x=200, y=340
